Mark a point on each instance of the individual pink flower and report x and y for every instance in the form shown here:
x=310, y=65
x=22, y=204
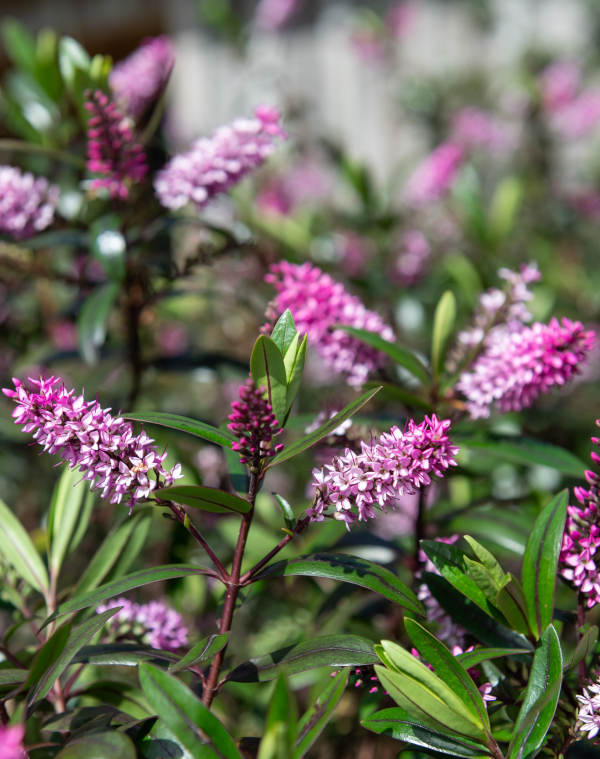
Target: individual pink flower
x=253, y=422
x=518, y=366
x=435, y=175
x=27, y=203
x=214, y=164
x=272, y=15
x=156, y=624
x=318, y=303
x=559, y=84
x=354, y=485
x=112, y=150
x=137, y=80
x=11, y=742
x=412, y=259
x=104, y=447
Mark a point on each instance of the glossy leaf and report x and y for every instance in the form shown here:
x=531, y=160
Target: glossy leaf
x=194, y=427
x=184, y=714
x=479, y=655
x=268, y=371
x=443, y=326
x=201, y=652
x=19, y=551
x=511, y=602
x=207, y=499
x=286, y=511
x=293, y=361
x=281, y=724
x=584, y=648
x=121, y=655
x=325, y=429
x=93, y=317
x=70, y=502
x=541, y=560
x=105, y=745
x=319, y=713
x=541, y=698
x=284, y=331
x=397, y=723
x=325, y=651
x=350, y=569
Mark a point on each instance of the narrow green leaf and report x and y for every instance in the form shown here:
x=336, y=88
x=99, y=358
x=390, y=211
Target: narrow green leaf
x=19, y=44
x=540, y=562
x=294, y=366
x=268, y=371
x=511, y=602
x=325, y=429
x=207, y=499
x=443, y=325
x=106, y=745
x=284, y=331
x=67, y=508
x=19, y=551
x=504, y=207
x=10, y=677
x=121, y=655
x=47, y=655
x=194, y=427
x=584, y=648
x=282, y=723
x=350, y=569
x=488, y=560
x=184, y=714
x=325, y=651
x=91, y=323
x=397, y=723
x=201, y=652
x=541, y=698
x=286, y=511
x=401, y=356
x=319, y=713
x=478, y=655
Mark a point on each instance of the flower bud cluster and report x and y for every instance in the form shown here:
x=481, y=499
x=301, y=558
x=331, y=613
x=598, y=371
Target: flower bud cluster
x=253, y=422
x=138, y=79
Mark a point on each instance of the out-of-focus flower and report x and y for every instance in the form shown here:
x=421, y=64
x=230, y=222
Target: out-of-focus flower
x=368, y=43
x=253, y=422
x=585, y=201
x=137, y=80
x=27, y=203
x=112, y=149
x=355, y=252
x=104, y=447
x=580, y=117
x=400, y=17
x=272, y=15
x=411, y=262
x=434, y=176
x=397, y=462
x=172, y=339
x=63, y=334
x=581, y=538
x=156, y=624
x=559, y=85
x=516, y=367
x=211, y=465
x=318, y=303
x=588, y=714
x=11, y=742
x=214, y=164
x=573, y=112
x=476, y=128
x=304, y=184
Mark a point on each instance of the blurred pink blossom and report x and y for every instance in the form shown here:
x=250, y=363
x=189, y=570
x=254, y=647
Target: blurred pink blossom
x=11, y=742
x=355, y=252
x=400, y=17
x=579, y=117
x=475, y=128
x=434, y=176
x=272, y=15
x=412, y=259
x=559, y=84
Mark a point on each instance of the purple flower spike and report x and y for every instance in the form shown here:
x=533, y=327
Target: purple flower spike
x=318, y=303
x=112, y=150
x=104, y=447
x=27, y=203
x=214, y=164
x=397, y=463
x=156, y=624
x=137, y=80
x=435, y=175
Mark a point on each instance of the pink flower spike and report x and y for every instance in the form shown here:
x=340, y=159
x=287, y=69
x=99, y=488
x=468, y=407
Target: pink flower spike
x=434, y=176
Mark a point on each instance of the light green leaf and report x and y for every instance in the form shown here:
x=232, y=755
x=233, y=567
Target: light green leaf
x=293, y=361
x=19, y=551
x=69, y=506
x=284, y=331
x=268, y=371
x=319, y=713
x=194, y=427
x=201, y=652
x=207, y=499
x=92, y=320
x=105, y=745
x=443, y=326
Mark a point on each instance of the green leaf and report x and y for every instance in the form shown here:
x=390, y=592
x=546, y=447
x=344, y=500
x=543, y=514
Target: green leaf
x=284, y=331
x=10, y=677
x=71, y=58
x=446, y=666
x=325, y=429
x=293, y=361
x=19, y=551
x=78, y=637
x=585, y=646
x=319, y=713
x=70, y=503
x=201, y=652
x=47, y=656
x=511, y=602
x=268, y=371
x=540, y=562
x=19, y=44
x=443, y=325
x=184, y=714
x=106, y=745
x=113, y=548
x=124, y=584
x=504, y=207
x=207, y=499
x=351, y=569
x=109, y=246
x=92, y=320
x=184, y=424
x=478, y=655
x=398, y=354
x=325, y=651
x=488, y=560
x=541, y=698
x=527, y=451
x=282, y=723
x=121, y=655
x=286, y=511
x=398, y=724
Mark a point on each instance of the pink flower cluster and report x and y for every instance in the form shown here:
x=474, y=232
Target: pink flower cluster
x=104, y=447
x=112, y=150
x=137, y=80
x=588, y=714
x=27, y=203
x=318, y=303
x=581, y=538
x=253, y=422
x=516, y=367
x=396, y=463
x=214, y=164
x=11, y=742
x=434, y=176
x=155, y=624
x=573, y=112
